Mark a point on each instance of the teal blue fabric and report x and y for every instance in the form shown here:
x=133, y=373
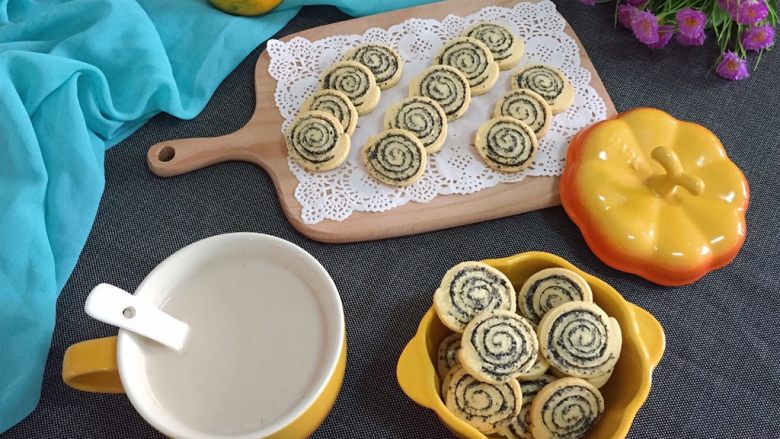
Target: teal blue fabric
x=77, y=77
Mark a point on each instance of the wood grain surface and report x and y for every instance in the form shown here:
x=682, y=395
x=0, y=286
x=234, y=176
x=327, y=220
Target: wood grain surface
x=261, y=142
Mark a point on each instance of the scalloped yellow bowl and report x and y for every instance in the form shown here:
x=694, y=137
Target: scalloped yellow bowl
x=624, y=394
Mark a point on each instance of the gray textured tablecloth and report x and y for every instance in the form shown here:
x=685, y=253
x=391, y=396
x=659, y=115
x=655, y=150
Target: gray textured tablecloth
x=718, y=378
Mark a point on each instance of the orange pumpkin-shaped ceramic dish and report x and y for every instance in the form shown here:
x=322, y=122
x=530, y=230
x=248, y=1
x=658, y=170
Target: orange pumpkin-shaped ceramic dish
x=625, y=392
x=655, y=196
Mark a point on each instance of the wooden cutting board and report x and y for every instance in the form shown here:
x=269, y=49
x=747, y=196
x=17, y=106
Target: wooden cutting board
x=261, y=142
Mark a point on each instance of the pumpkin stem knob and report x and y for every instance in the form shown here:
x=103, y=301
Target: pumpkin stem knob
x=666, y=184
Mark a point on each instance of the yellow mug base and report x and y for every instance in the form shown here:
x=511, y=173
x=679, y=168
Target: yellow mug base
x=91, y=366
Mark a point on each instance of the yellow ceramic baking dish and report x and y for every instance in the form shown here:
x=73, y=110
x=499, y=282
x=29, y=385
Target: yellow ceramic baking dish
x=624, y=394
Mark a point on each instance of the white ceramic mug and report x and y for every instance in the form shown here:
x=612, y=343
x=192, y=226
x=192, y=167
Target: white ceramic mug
x=281, y=284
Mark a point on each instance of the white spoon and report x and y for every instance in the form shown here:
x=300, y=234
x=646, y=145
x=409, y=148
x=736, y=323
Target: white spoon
x=117, y=307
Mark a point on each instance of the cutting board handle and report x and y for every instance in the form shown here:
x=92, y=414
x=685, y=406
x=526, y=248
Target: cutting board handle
x=176, y=157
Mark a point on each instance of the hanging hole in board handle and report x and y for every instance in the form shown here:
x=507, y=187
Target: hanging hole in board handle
x=166, y=154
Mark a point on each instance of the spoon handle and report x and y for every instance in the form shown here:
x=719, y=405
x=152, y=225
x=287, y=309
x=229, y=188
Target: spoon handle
x=117, y=307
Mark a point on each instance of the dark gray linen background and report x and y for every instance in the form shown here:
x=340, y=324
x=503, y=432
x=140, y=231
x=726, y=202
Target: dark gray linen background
x=718, y=378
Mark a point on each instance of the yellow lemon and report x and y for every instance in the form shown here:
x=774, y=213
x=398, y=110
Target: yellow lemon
x=245, y=7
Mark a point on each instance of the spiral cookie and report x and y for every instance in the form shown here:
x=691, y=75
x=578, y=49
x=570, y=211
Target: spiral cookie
x=527, y=107
x=316, y=140
x=520, y=427
x=445, y=382
x=445, y=85
x=354, y=80
x=448, y=354
x=503, y=44
x=468, y=289
x=548, y=82
x=505, y=144
x=497, y=346
x=549, y=288
x=487, y=407
x=601, y=380
x=579, y=339
x=337, y=104
x=395, y=157
x=556, y=373
x=565, y=409
x=383, y=61
x=538, y=369
x=472, y=58
x=422, y=117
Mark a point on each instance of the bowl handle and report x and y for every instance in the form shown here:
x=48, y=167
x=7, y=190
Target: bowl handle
x=415, y=374
x=652, y=334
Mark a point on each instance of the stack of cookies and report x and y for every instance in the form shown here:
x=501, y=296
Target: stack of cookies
x=524, y=364
x=509, y=141
x=319, y=137
x=466, y=66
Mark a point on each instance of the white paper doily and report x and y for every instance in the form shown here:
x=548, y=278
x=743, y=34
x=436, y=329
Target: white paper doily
x=456, y=169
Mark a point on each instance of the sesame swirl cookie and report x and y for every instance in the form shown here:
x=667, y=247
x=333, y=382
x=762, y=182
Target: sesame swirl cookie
x=316, y=140
x=520, y=427
x=549, y=288
x=395, y=157
x=383, y=61
x=598, y=381
x=601, y=380
x=503, y=44
x=445, y=383
x=565, y=409
x=447, y=357
x=527, y=107
x=354, y=80
x=579, y=339
x=422, y=117
x=469, y=289
x=337, y=104
x=506, y=144
x=487, y=407
x=548, y=82
x=538, y=369
x=498, y=346
x=472, y=58
x=447, y=86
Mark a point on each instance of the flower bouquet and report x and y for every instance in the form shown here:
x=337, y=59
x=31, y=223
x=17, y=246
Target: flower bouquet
x=739, y=26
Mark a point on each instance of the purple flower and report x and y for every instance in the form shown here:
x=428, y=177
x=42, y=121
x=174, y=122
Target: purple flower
x=732, y=67
x=636, y=3
x=665, y=33
x=625, y=12
x=691, y=40
x=749, y=11
x=691, y=22
x=645, y=27
x=588, y=2
x=758, y=38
